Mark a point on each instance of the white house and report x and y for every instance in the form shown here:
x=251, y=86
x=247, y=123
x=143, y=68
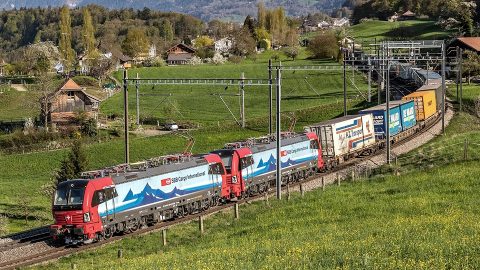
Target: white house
x=223, y=45
x=152, y=52
x=323, y=24
x=343, y=22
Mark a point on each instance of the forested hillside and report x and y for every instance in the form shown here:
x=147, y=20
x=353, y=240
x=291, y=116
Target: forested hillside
x=466, y=13
x=26, y=26
x=204, y=9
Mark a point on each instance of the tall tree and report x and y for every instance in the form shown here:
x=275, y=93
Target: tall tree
x=135, y=43
x=88, y=34
x=65, y=45
x=261, y=14
x=167, y=31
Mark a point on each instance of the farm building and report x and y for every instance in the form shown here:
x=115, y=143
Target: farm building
x=407, y=16
x=179, y=54
x=66, y=101
x=465, y=43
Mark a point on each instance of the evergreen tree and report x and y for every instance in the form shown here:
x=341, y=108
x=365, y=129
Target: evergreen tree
x=75, y=163
x=88, y=34
x=66, y=38
x=167, y=31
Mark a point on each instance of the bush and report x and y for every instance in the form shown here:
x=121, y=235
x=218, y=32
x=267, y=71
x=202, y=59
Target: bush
x=89, y=128
x=235, y=59
x=291, y=52
x=218, y=59
x=195, y=61
x=324, y=45
x=264, y=44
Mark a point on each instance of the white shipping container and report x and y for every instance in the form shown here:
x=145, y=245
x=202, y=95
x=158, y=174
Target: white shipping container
x=344, y=135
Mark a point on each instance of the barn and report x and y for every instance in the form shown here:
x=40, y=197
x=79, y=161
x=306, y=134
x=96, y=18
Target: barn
x=67, y=101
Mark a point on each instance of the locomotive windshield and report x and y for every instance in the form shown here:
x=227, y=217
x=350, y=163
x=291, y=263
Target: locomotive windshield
x=69, y=195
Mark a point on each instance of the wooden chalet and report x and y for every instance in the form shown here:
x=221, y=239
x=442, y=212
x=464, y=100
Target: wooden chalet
x=69, y=99
x=465, y=43
x=180, y=54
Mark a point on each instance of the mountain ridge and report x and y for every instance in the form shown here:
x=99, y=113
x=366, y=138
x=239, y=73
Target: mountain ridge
x=203, y=9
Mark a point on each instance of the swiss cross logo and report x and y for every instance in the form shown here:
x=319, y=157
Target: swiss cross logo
x=283, y=153
x=166, y=182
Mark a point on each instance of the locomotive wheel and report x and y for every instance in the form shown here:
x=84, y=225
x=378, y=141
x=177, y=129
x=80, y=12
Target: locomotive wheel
x=108, y=233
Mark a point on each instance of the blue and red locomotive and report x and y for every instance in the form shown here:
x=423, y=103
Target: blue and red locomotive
x=127, y=197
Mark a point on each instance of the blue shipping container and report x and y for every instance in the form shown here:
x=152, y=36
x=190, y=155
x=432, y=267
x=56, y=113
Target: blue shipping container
x=379, y=114
x=408, y=114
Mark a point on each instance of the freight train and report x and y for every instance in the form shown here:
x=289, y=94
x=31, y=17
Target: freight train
x=127, y=197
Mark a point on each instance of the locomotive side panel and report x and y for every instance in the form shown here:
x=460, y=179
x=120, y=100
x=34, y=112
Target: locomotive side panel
x=161, y=191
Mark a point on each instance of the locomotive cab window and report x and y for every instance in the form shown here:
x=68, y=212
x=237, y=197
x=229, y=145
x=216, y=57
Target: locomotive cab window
x=314, y=144
x=245, y=162
x=69, y=195
x=101, y=196
x=216, y=168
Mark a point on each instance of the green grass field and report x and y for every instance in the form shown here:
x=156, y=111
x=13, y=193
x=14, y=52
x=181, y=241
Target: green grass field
x=15, y=105
x=470, y=94
x=300, y=90
x=415, y=29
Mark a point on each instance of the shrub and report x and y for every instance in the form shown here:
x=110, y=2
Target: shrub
x=218, y=59
x=324, y=45
x=89, y=127
x=235, y=59
x=264, y=44
x=195, y=61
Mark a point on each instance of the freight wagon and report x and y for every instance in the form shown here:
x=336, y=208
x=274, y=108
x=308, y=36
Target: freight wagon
x=379, y=113
x=345, y=137
x=425, y=105
x=437, y=87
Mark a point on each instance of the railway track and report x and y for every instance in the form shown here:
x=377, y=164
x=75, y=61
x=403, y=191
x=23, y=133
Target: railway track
x=27, y=241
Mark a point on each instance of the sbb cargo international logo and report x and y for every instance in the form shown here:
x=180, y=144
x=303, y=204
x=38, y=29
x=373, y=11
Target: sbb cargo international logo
x=283, y=153
x=166, y=182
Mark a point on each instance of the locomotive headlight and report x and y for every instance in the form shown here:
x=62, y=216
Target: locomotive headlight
x=86, y=217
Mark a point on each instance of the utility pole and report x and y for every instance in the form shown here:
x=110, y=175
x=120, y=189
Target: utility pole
x=443, y=88
x=125, y=114
x=344, y=83
x=242, y=109
x=138, y=101
x=461, y=78
x=270, y=96
x=369, y=80
x=387, y=97
x=457, y=82
x=278, y=131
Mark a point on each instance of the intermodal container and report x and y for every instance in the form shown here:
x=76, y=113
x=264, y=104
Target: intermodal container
x=379, y=113
x=344, y=135
x=436, y=86
x=408, y=116
x=425, y=103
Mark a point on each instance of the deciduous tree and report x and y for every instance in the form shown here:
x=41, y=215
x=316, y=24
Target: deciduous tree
x=65, y=36
x=135, y=43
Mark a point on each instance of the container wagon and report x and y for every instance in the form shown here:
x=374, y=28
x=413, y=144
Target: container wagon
x=425, y=105
x=345, y=137
x=437, y=87
x=379, y=113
